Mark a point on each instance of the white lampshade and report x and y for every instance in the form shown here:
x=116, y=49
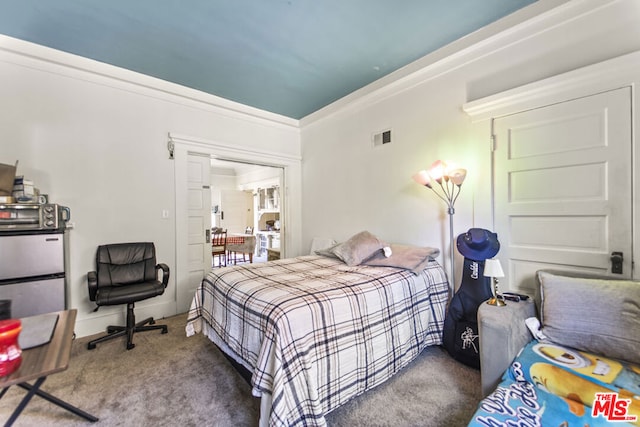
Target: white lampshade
x=457, y=176
x=423, y=178
x=493, y=268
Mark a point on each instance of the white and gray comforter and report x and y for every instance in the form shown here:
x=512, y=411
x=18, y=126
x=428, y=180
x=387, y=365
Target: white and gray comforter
x=316, y=332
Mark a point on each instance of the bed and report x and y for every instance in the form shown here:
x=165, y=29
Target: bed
x=316, y=331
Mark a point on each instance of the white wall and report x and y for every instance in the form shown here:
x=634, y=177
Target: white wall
x=94, y=138
x=350, y=186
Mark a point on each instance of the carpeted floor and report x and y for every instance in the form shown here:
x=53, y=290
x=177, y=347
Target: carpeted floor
x=172, y=380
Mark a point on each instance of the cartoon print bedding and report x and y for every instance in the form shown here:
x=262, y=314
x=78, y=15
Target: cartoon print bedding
x=550, y=385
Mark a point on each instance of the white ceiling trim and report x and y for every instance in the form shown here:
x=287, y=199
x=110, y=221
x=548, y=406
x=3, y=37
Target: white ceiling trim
x=50, y=60
x=527, y=22
x=603, y=76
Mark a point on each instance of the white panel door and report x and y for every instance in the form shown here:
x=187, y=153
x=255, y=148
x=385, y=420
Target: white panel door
x=198, y=226
x=563, y=188
x=236, y=210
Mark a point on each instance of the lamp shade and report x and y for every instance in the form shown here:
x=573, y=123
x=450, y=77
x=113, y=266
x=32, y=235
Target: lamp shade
x=438, y=171
x=457, y=176
x=493, y=268
x=423, y=178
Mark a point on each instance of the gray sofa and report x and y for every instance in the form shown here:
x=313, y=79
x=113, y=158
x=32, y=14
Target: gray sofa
x=586, y=312
x=584, y=370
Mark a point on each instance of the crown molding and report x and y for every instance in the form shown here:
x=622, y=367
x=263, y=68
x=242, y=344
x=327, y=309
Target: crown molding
x=525, y=23
x=607, y=75
x=53, y=61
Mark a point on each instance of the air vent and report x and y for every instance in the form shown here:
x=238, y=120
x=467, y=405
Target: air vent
x=382, y=138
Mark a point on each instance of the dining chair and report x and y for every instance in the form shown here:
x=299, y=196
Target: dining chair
x=242, y=246
x=219, y=246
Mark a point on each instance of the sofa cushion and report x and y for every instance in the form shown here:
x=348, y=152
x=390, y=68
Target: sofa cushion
x=596, y=315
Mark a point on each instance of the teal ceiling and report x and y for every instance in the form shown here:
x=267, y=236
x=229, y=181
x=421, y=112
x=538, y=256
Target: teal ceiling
x=290, y=57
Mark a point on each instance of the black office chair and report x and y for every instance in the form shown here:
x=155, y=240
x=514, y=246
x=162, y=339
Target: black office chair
x=126, y=273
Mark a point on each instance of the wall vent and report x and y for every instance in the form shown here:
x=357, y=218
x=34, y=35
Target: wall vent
x=382, y=138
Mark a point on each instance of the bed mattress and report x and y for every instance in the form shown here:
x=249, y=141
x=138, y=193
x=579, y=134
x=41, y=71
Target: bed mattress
x=315, y=332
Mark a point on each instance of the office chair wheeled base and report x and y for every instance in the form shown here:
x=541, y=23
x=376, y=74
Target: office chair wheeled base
x=129, y=330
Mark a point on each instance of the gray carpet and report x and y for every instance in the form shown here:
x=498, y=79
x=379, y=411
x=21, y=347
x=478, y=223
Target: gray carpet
x=172, y=380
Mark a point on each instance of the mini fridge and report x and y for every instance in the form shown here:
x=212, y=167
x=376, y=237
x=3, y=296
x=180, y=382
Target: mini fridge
x=32, y=272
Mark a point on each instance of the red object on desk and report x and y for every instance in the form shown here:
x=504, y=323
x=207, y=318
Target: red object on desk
x=10, y=351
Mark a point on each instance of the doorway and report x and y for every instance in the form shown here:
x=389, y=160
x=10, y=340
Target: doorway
x=193, y=256
x=246, y=198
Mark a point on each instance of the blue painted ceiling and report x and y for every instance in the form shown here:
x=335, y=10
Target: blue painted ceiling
x=290, y=57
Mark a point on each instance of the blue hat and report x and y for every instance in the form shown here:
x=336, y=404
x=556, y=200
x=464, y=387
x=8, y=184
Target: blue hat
x=478, y=244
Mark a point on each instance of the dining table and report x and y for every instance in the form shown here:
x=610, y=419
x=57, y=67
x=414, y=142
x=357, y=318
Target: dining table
x=244, y=244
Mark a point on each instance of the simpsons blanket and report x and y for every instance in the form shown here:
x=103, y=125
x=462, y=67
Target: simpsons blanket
x=550, y=385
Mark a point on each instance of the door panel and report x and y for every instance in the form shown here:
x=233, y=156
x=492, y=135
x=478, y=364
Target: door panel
x=236, y=208
x=198, y=256
x=563, y=187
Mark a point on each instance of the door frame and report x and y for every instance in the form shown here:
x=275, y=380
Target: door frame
x=180, y=146
x=601, y=77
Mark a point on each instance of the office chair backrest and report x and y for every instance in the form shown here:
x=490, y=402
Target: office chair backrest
x=126, y=263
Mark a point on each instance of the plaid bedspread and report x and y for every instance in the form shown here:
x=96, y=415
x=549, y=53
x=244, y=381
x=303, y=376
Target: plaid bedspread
x=316, y=332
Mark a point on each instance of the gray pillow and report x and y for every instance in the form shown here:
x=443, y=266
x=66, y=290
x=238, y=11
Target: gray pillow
x=594, y=315
x=328, y=252
x=409, y=257
x=358, y=248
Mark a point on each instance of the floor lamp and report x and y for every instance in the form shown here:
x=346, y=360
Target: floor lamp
x=446, y=182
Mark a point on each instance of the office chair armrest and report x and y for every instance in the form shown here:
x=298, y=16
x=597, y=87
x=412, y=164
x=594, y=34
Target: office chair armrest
x=92, y=281
x=165, y=273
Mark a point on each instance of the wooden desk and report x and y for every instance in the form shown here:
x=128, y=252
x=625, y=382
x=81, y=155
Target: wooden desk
x=40, y=362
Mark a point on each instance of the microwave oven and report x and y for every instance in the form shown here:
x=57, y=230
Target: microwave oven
x=33, y=216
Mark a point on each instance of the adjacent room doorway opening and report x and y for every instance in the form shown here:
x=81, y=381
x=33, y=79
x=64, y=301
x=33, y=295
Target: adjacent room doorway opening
x=192, y=169
x=247, y=198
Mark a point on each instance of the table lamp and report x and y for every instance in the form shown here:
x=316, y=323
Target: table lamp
x=493, y=269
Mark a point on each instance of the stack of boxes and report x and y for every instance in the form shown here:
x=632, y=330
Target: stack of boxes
x=7, y=178
x=23, y=190
x=16, y=188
